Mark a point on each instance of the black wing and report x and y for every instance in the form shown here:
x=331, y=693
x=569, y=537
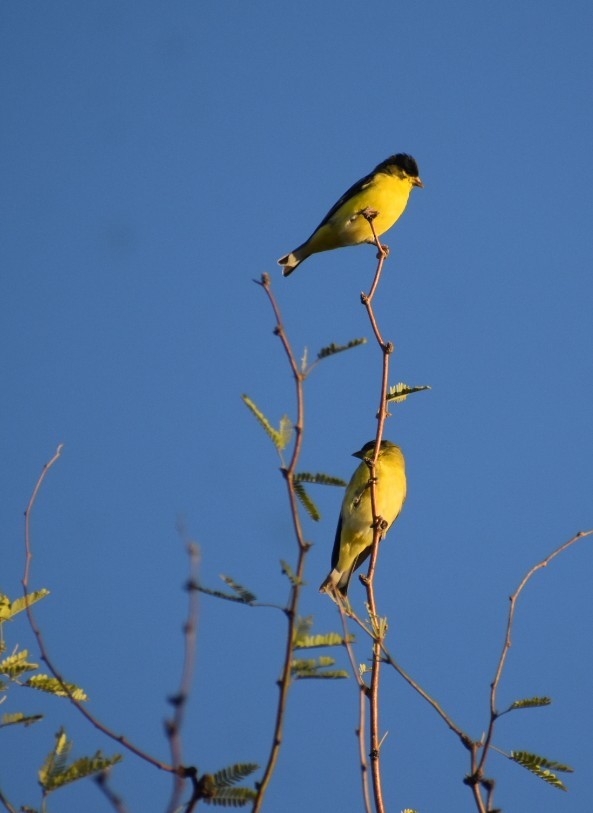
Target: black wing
x=337, y=540
x=354, y=190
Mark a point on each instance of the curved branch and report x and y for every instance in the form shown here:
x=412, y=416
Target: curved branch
x=303, y=547
x=119, y=738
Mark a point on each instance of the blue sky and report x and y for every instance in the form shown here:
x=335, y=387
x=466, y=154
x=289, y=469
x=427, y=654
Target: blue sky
x=155, y=159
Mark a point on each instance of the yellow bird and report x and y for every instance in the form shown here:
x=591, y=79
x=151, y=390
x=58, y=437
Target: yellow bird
x=354, y=534
x=385, y=191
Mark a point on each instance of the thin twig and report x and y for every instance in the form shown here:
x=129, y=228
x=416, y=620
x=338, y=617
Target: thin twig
x=494, y=714
x=102, y=782
x=179, y=701
x=7, y=804
x=378, y=529
x=465, y=738
x=303, y=546
x=362, y=700
x=119, y=738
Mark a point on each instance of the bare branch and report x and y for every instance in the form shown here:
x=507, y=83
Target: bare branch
x=119, y=738
x=179, y=701
x=291, y=608
x=494, y=713
x=102, y=782
x=362, y=700
x=387, y=349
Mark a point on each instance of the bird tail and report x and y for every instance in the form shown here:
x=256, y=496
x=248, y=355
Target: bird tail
x=290, y=261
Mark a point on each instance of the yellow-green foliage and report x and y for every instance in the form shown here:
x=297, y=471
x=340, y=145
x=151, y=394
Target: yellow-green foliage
x=542, y=767
x=399, y=392
x=303, y=640
x=16, y=665
x=8, y=608
x=530, y=703
x=316, y=668
x=48, y=684
x=55, y=772
x=319, y=478
x=307, y=502
x=18, y=718
x=333, y=348
x=280, y=437
x=241, y=594
x=216, y=789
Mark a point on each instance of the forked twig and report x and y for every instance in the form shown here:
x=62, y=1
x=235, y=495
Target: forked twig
x=477, y=776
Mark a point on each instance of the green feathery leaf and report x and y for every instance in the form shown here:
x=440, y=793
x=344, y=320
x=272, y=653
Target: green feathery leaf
x=55, y=773
x=44, y=683
x=307, y=502
x=315, y=668
x=302, y=627
x=303, y=640
x=285, y=431
x=233, y=774
x=333, y=348
x=530, y=703
x=18, y=718
x=241, y=594
x=542, y=767
x=231, y=797
x=8, y=609
x=321, y=479
x=288, y=571
x=379, y=625
x=399, y=392
x=316, y=641
x=279, y=437
x=245, y=595
x=16, y=665
x=55, y=763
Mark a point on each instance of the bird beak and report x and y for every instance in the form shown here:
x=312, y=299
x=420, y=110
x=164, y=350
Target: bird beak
x=417, y=182
x=359, y=455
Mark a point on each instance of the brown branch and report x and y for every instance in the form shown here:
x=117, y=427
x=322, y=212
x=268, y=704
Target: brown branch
x=465, y=738
x=116, y=801
x=378, y=527
x=303, y=546
x=362, y=699
x=494, y=713
x=119, y=738
x=7, y=804
x=179, y=701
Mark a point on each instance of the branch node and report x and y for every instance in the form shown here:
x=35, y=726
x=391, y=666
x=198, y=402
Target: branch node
x=369, y=214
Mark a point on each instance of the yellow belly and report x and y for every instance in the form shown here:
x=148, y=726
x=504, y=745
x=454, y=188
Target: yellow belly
x=386, y=194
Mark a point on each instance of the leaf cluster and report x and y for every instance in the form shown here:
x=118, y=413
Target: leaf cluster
x=217, y=788
x=56, y=772
x=542, y=767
